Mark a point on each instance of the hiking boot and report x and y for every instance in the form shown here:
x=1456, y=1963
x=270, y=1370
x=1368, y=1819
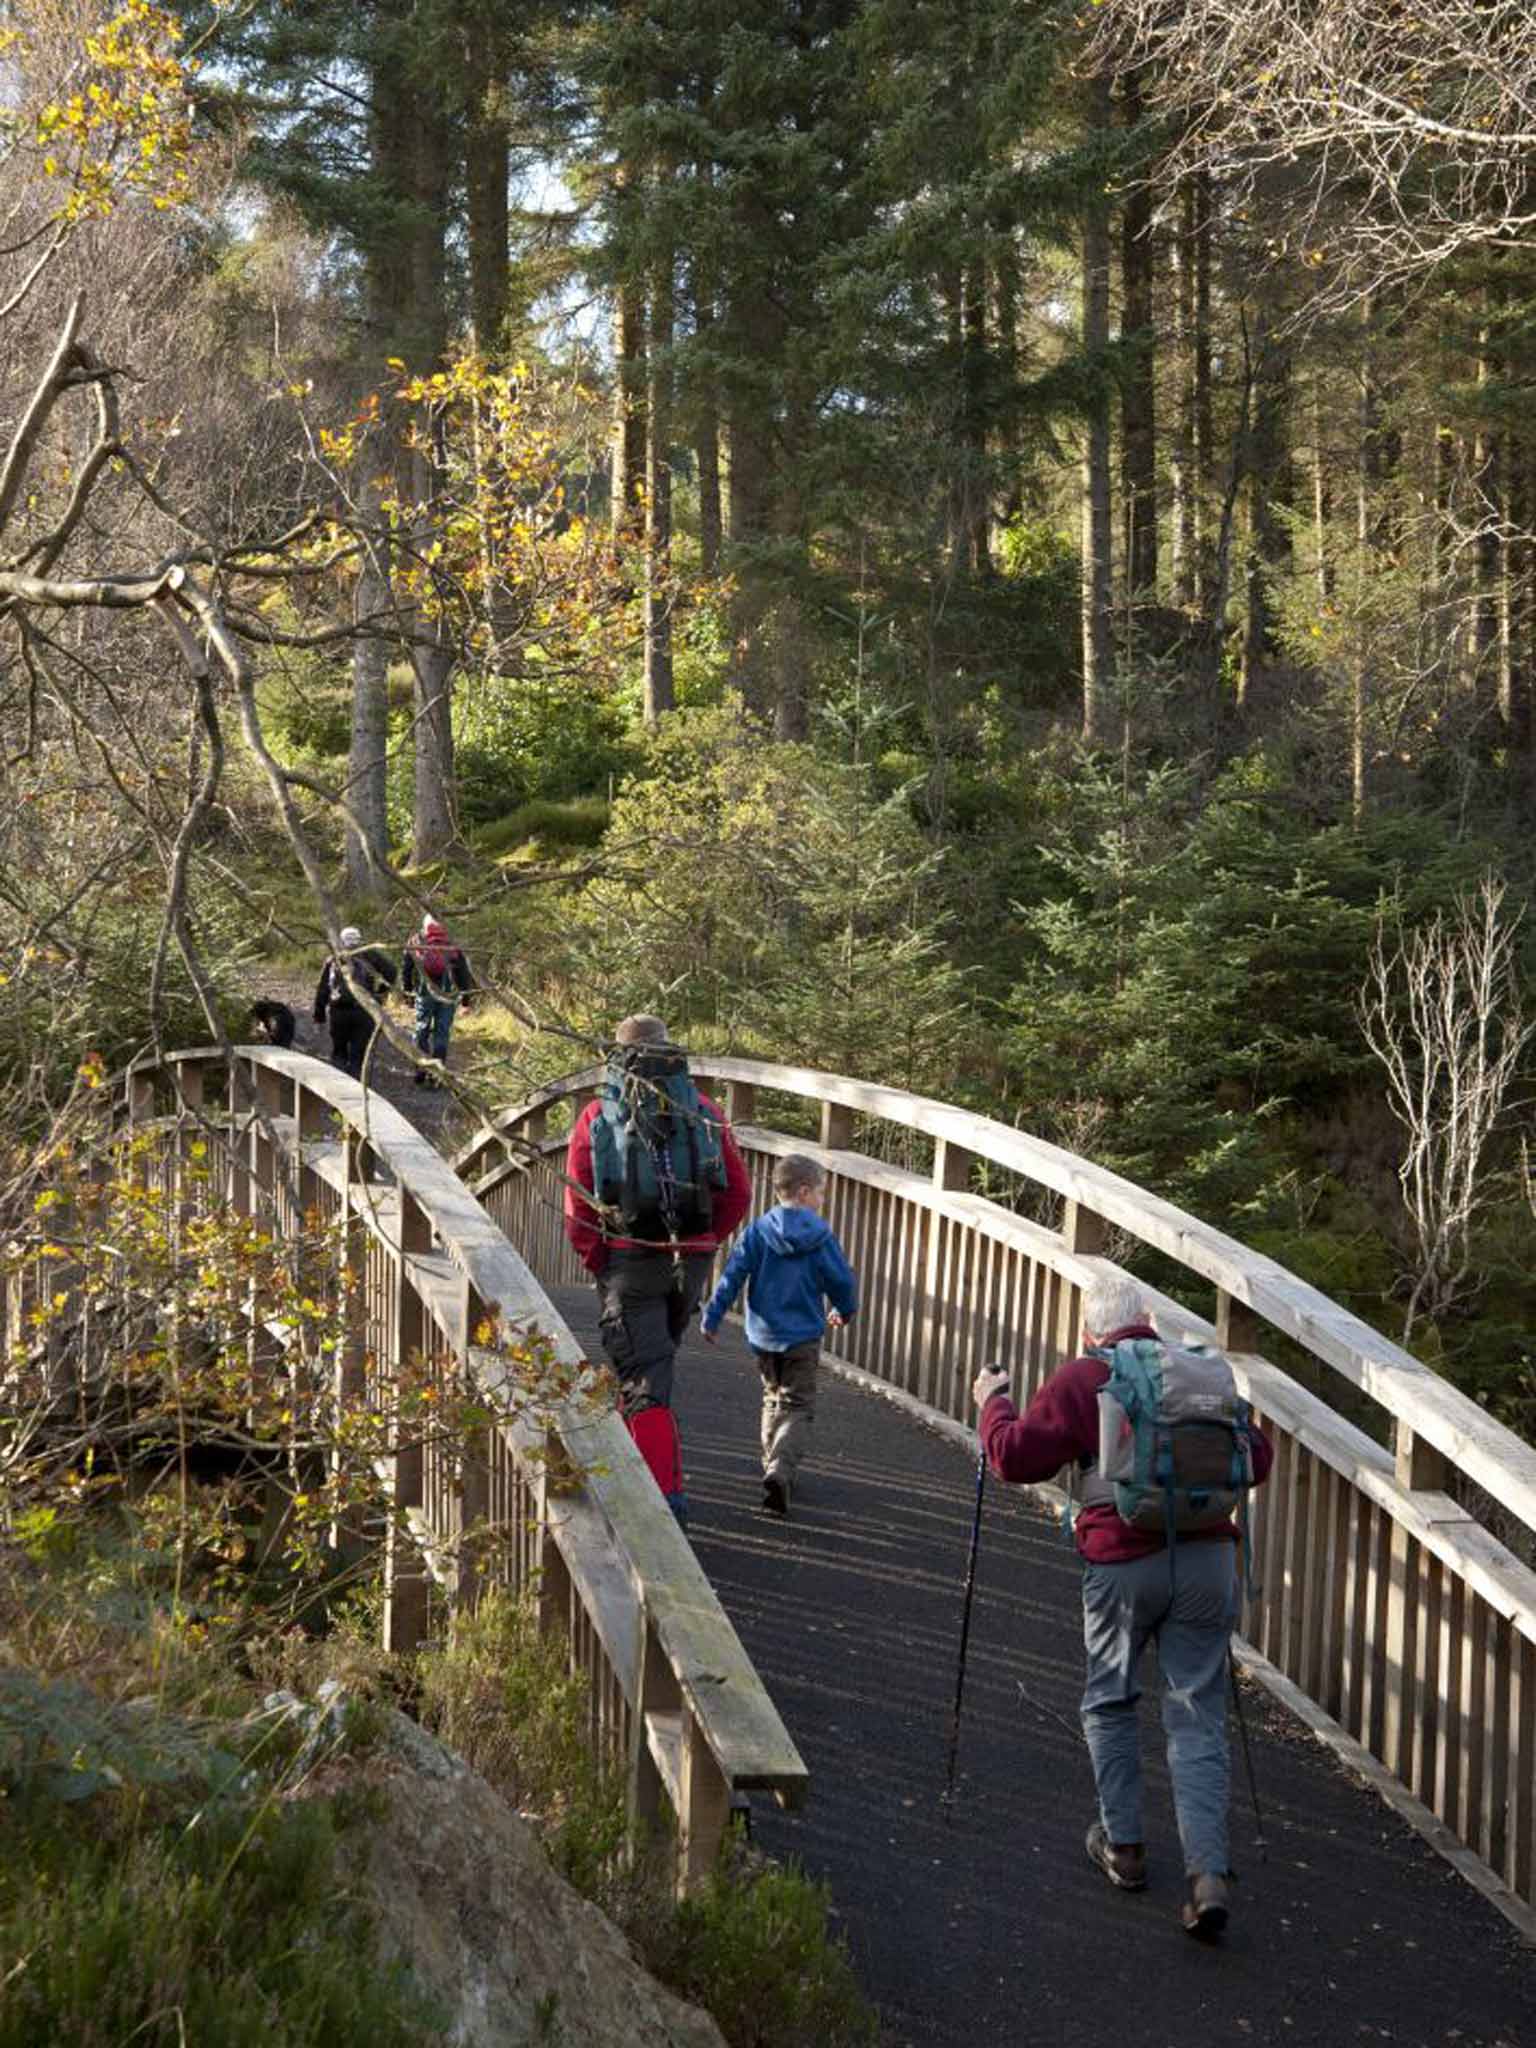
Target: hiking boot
x=1123, y=1863
x=775, y=1495
x=1204, y=1912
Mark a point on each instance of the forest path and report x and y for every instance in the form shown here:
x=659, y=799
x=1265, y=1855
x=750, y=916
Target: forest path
x=990, y=1927
x=433, y=1111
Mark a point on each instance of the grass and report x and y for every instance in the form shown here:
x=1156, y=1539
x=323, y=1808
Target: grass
x=158, y=1882
x=544, y=826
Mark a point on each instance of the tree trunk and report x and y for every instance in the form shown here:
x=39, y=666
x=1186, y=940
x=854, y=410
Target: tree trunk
x=1138, y=420
x=629, y=437
x=1204, y=416
x=487, y=149
x=1097, y=585
x=367, y=834
x=1322, y=499
x=433, y=828
x=977, y=505
x=1181, y=448
x=706, y=433
x=1269, y=488
x=659, y=694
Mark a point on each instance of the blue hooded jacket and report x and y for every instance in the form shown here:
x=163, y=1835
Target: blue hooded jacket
x=789, y=1262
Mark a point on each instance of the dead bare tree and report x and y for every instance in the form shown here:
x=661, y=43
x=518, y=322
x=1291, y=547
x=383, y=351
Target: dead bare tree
x=1441, y=1009
x=1425, y=116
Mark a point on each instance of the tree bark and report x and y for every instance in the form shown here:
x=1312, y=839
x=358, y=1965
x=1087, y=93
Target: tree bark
x=1269, y=488
x=1138, y=419
x=1204, y=411
x=659, y=691
x=629, y=435
x=1097, y=572
x=367, y=838
x=487, y=148
x=1185, y=537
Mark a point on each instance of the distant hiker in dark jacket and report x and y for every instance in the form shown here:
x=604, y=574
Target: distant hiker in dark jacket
x=436, y=972
x=654, y=1181
x=357, y=966
x=1136, y=1592
x=791, y=1265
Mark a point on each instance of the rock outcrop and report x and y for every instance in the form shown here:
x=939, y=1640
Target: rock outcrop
x=463, y=1892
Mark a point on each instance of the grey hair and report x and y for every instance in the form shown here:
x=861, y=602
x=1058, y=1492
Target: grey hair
x=641, y=1030
x=1111, y=1303
x=797, y=1170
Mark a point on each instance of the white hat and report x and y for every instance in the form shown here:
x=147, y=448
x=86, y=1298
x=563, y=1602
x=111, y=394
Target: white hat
x=350, y=935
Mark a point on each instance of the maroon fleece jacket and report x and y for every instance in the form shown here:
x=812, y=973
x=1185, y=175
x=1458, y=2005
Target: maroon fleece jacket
x=1060, y=1426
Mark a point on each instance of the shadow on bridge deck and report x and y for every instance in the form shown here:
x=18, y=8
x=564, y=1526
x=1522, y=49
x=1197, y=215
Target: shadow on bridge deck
x=992, y=1927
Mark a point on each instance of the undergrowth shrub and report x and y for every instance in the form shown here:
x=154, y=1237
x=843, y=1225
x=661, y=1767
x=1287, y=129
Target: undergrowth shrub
x=751, y=1945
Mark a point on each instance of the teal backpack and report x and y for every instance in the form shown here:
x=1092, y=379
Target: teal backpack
x=658, y=1155
x=1175, y=1437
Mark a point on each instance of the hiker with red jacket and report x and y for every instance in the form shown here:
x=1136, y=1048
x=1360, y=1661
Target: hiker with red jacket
x=654, y=1182
x=1138, y=1586
x=435, y=971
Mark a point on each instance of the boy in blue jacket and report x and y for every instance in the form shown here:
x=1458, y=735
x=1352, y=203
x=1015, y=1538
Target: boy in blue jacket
x=790, y=1264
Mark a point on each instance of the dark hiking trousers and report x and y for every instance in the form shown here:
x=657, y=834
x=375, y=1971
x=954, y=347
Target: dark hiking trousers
x=789, y=1407
x=646, y=1301
x=351, y=1030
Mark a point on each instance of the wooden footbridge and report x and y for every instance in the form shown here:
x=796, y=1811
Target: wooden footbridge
x=1394, y=1618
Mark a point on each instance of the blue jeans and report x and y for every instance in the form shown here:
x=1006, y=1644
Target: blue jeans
x=1190, y=1613
x=434, y=1021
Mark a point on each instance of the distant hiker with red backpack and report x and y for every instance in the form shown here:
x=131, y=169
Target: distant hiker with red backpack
x=654, y=1182
x=436, y=972
x=1169, y=1450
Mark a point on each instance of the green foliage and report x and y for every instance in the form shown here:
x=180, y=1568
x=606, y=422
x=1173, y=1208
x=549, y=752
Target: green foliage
x=816, y=936
x=537, y=736
x=238, y=1929
x=502, y=1694
x=751, y=1945
x=546, y=826
x=1197, y=961
x=158, y=1881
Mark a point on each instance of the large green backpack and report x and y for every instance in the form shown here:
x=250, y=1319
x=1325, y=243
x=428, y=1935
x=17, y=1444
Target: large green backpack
x=1175, y=1442
x=658, y=1154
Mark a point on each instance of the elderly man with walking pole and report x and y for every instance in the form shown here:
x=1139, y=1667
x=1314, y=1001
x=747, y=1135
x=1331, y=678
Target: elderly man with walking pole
x=1168, y=1451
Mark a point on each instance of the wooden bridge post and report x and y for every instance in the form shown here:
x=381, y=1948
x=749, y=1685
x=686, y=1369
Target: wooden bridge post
x=1085, y=1233
x=940, y=1310
x=1418, y=1468
x=405, y=1573
x=474, y=1488
x=704, y=1809
x=657, y=1694
x=741, y=1101
x=551, y=1573
x=836, y=1127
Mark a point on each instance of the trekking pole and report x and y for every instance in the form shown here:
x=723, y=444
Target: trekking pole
x=1253, y=1784
x=965, y=1631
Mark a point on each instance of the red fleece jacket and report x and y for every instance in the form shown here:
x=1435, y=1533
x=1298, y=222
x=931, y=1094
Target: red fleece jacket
x=1060, y=1426
x=584, y=1228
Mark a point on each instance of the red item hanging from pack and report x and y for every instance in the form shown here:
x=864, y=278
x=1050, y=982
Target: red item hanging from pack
x=656, y=1439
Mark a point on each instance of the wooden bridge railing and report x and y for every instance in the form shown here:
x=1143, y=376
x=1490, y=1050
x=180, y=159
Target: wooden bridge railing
x=1387, y=1612
x=671, y=1692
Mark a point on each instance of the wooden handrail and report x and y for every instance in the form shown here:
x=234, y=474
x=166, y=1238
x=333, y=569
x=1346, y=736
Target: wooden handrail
x=1384, y=1600
x=674, y=1694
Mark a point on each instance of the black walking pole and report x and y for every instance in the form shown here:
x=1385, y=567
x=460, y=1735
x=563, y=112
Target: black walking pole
x=965, y=1630
x=1253, y=1784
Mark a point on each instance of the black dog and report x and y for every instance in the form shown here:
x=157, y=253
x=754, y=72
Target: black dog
x=274, y=1021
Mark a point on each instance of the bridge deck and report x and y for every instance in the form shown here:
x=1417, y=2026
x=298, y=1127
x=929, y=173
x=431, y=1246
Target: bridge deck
x=991, y=1927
